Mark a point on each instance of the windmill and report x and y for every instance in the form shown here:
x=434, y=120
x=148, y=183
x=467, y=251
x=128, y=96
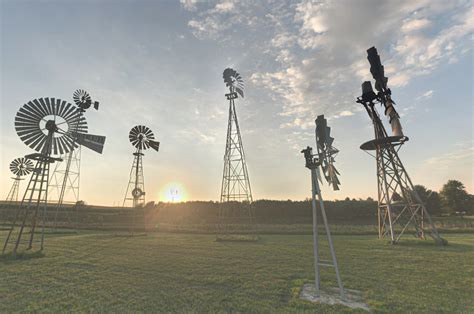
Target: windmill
x=141, y=138
x=51, y=127
x=66, y=176
x=20, y=167
x=324, y=159
x=398, y=201
x=235, y=179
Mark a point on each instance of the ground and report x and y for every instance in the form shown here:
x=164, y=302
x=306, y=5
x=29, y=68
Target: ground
x=95, y=271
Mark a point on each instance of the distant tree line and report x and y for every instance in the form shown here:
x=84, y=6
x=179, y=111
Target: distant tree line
x=452, y=199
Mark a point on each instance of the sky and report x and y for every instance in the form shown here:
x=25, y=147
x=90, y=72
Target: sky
x=160, y=64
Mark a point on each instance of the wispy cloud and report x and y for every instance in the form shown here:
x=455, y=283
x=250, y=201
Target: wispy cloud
x=318, y=47
x=426, y=95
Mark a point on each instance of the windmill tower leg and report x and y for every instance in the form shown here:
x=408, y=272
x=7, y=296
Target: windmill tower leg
x=315, y=234
x=399, y=203
x=13, y=194
x=317, y=262
x=64, y=183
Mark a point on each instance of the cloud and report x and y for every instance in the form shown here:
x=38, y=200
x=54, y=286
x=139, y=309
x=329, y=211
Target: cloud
x=426, y=95
x=189, y=5
x=452, y=159
x=224, y=7
x=411, y=25
x=345, y=113
x=310, y=56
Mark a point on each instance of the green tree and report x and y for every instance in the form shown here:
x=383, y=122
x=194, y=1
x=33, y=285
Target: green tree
x=454, y=197
x=430, y=199
x=434, y=203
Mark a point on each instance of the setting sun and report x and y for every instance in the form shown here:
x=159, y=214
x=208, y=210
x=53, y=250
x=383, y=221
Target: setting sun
x=173, y=192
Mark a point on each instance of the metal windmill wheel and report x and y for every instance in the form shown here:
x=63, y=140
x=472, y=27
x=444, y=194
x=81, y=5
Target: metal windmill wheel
x=21, y=166
x=37, y=118
x=234, y=81
x=143, y=138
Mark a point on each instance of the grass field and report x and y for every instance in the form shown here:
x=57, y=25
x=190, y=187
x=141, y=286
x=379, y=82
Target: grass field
x=94, y=271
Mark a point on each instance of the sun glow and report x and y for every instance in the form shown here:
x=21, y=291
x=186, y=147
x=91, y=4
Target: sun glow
x=173, y=192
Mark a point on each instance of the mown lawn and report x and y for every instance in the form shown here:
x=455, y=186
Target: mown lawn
x=93, y=271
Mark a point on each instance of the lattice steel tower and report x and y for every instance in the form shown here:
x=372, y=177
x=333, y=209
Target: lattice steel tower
x=65, y=180
x=141, y=138
x=20, y=167
x=235, y=178
x=399, y=205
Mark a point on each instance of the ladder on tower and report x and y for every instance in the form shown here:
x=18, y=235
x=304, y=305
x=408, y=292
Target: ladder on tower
x=33, y=206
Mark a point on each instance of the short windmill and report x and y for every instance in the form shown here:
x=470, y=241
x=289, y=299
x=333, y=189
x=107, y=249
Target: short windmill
x=398, y=201
x=20, y=167
x=51, y=127
x=141, y=138
x=324, y=160
x=235, y=178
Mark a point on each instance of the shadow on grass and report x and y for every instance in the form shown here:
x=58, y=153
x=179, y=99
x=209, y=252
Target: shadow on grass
x=21, y=256
x=60, y=232
x=430, y=244
x=129, y=235
x=237, y=238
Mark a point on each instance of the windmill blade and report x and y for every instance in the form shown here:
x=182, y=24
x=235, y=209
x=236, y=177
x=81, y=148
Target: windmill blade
x=329, y=141
x=377, y=69
x=91, y=141
x=318, y=173
x=240, y=91
x=327, y=134
x=332, y=177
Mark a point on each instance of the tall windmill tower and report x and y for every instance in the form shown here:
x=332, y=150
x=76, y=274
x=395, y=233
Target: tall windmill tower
x=324, y=159
x=235, y=178
x=46, y=125
x=141, y=138
x=65, y=179
x=398, y=202
x=20, y=167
